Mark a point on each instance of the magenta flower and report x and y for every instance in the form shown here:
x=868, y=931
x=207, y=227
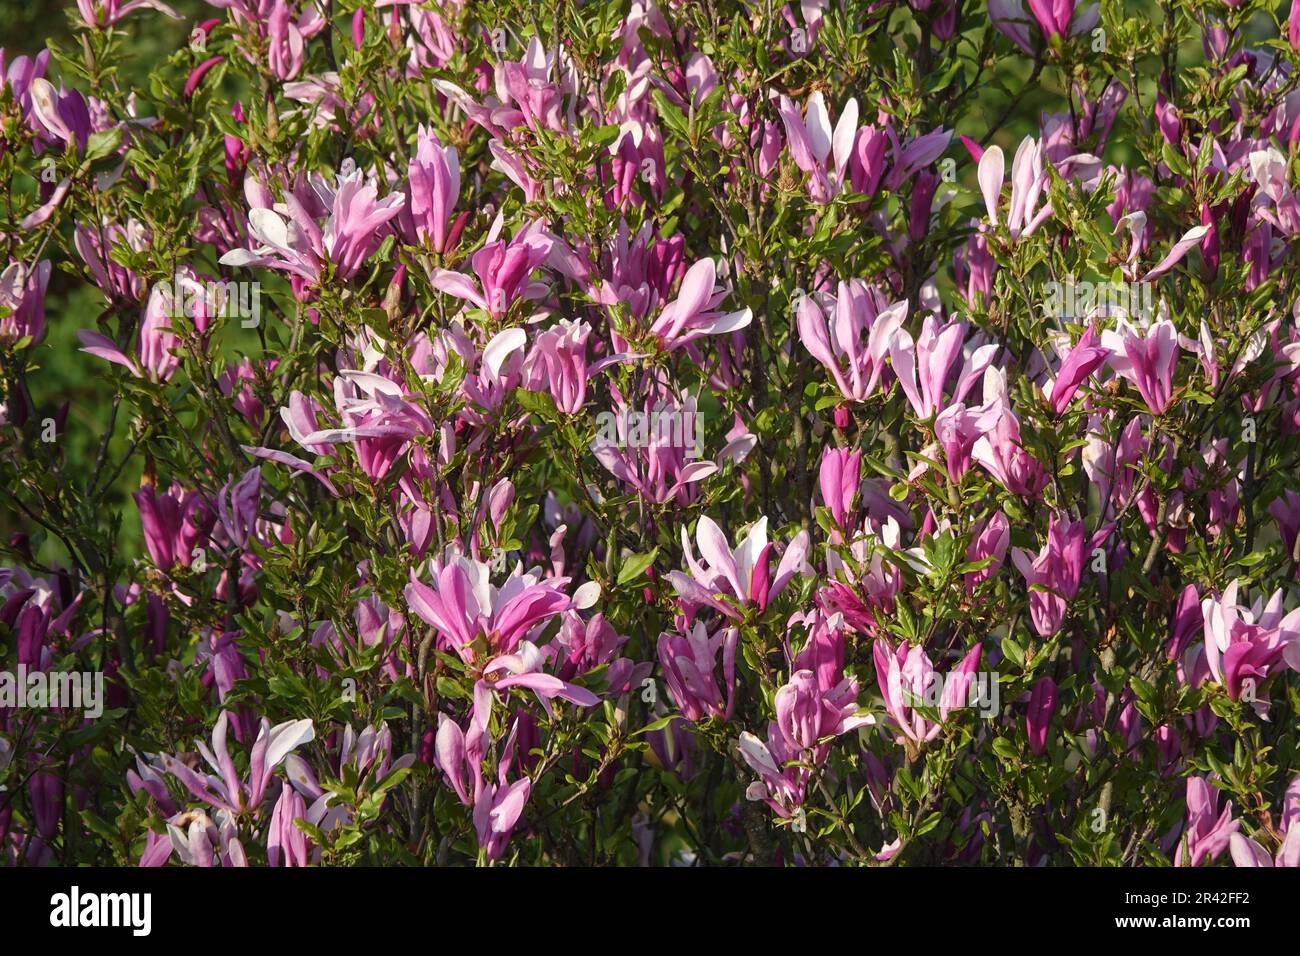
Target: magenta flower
x=558, y=364
x=783, y=778
x=1053, y=576
x=173, y=523
x=156, y=359
x=1081, y=362
x=688, y=666
x=224, y=789
x=694, y=313
x=1148, y=361
x=464, y=606
x=741, y=574
x=808, y=713
x=434, y=176
x=908, y=679
x=290, y=239
x=812, y=141
x=1248, y=852
x=22, y=294
x=1208, y=832
x=503, y=270
x=839, y=476
x=1243, y=644
x=923, y=367
x=850, y=335
x=106, y=13
x=1042, y=705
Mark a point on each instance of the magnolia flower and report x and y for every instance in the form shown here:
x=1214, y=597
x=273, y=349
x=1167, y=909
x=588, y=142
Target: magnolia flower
x=850, y=334
x=694, y=313
x=907, y=679
x=1244, y=643
x=742, y=574
x=290, y=239
x=224, y=788
x=812, y=141
x=1247, y=851
x=1147, y=360
x=1024, y=215
x=1208, y=832
x=688, y=665
x=464, y=606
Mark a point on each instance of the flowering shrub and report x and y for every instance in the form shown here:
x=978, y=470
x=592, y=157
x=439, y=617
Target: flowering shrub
x=639, y=431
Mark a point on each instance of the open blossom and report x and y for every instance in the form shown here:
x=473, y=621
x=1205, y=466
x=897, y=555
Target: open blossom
x=1243, y=644
x=1054, y=575
x=923, y=366
x=1246, y=851
x=502, y=270
x=689, y=663
x=1208, y=832
x=808, y=712
x=812, y=141
x=695, y=311
x=907, y=680
x=742, y=574
x=850, y=334
x=224, y=788
x=289, y=237
x=464, y=605
x=156, y=357
x=1148, y=361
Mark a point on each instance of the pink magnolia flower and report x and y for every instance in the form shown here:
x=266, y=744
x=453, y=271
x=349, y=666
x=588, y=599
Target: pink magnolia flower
x=850, y=335
x=807, y=712
x=558, y=364
x=1148, y=361
x=694, y=313
x=997, y=448
x=688, y=664
x=523, y=668
x=783, y=777
x=156, y=359
x=434, y=175
x=464, y=606
x=1248, y=852
x=1244, y=643
x=22, y=293
x=923, y=367
x=741, y=574
x=224, y=788
x=290, y=239
x=1028, y=179
x=907, y=679
x=1054, y=575
x=1081, y=361
x=106, y=13
x=173, y=523
x=1208, y=832
x=503, y=270
x=1042, y=705
x=812, y=141
x=93, y=244
x=839, y=476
